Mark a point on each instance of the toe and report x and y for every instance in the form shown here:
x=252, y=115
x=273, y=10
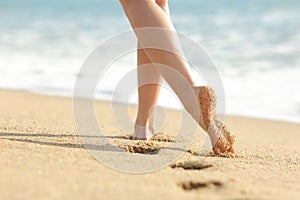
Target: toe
x=231, y=150
x=216, y=150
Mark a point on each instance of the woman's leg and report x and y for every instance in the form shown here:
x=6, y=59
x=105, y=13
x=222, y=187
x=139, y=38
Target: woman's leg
x=149, y=80
x=147, y=13
x=148, y=93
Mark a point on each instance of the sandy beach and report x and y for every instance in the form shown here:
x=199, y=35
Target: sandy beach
x=42, y=157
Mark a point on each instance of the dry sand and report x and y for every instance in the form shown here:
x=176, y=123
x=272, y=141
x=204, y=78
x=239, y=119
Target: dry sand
x=42, y=157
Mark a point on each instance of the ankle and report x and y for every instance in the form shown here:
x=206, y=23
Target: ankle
x=141, y=122
x=197, y=89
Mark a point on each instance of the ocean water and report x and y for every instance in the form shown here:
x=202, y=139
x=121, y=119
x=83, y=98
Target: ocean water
x=254, y=44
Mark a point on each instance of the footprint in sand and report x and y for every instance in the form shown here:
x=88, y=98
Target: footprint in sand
x=191, y=165
x=162, y=138
x=194, y=185
x=145, y=146
x=158, y=141
x=142, y=147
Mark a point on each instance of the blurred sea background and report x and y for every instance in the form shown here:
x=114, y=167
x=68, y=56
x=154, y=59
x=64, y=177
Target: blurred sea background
x=254, y=44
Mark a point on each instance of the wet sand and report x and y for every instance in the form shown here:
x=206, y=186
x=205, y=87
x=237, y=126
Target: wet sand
x=43, y=157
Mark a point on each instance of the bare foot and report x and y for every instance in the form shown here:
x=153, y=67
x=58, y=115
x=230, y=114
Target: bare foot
x=221, y=138
x=142, y=132
x=224, y=143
